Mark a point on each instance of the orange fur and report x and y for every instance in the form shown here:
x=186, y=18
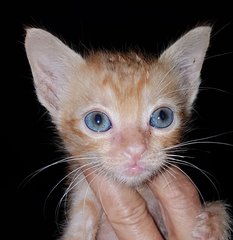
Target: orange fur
x=128, y=88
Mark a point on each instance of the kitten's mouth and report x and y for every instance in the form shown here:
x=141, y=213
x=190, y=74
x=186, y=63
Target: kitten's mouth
x=134, y=174
x=134, y=169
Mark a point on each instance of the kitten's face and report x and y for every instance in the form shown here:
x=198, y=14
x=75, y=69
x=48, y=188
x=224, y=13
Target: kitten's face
x=118, y=113
x=124, y=116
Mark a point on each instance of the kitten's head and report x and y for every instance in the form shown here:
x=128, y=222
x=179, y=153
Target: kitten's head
x=119, y=113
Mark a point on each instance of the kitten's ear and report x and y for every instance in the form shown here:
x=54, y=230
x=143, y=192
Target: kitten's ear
x=186, y=57
x=52, y=63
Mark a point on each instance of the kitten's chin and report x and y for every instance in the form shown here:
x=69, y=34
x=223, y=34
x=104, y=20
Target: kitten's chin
x=135, y=176
x=132, y=174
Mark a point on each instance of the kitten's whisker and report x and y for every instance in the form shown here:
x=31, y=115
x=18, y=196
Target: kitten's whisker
x=180, y=148
x=185, y=163
x=65, y=177
x=215, y=89
x=72, y=185
x=57, y=184
x=175, y=149
x=99, y=172
x=76, y=173
x=100, y=186
x=175, y=166
x=38, y=171
x=85, y=196
x=181, y=162
x=92, y=165
x=220, y=30
x=205, y=173
x=161, y=170
x=170, y=170
x=199, y=140
x=180, y=156
x=67, y=159
x=35, y=173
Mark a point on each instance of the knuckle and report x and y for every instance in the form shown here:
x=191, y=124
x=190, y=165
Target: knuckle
x=129, y=215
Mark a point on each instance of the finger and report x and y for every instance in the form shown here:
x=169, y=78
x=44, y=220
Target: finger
x=179, y=201
x=125, y=209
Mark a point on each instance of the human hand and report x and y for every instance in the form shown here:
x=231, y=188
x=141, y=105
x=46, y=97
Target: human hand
x=127, y=212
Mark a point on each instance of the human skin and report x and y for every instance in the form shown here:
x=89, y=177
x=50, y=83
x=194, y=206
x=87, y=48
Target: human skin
x=178, y=199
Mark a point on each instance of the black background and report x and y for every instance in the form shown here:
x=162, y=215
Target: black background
x=28, y=134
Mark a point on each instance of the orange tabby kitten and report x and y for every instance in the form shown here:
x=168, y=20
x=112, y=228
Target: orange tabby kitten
x=120, y=115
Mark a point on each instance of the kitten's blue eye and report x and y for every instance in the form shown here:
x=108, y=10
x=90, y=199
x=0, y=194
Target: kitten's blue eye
x=161, y=118
x=97, y=122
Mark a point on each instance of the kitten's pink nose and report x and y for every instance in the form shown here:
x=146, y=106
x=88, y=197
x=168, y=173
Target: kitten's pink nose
x=135, y=151
x=133, y=144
